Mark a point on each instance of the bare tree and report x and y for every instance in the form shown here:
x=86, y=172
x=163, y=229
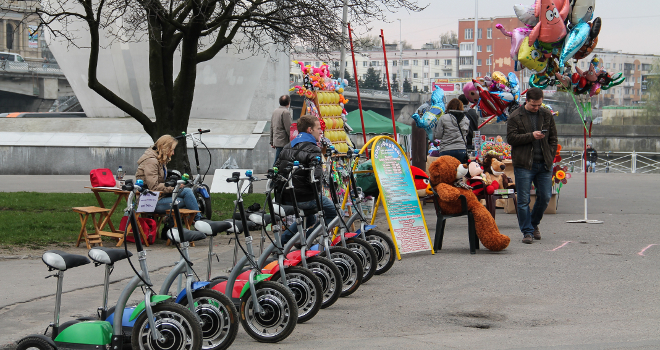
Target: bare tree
x=447, y=38
x=197, y=30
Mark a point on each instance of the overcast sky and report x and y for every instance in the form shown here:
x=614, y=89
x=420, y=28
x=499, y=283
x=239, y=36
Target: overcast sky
x=631, y=26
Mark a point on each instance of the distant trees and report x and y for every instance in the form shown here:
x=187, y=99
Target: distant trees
x=406, y=86
x=372, y=80
x=446, y=38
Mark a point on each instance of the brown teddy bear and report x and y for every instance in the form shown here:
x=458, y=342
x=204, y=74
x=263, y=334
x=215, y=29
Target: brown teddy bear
x=494, y=171
x=447, y=177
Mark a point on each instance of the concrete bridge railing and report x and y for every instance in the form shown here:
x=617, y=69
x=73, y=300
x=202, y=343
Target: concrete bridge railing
x=30, y=67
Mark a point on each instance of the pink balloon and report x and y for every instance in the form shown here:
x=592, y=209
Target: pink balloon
x=470, y=92
x=517, y=36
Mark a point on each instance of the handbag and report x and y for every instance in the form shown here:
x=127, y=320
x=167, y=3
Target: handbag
x=148, y=226
x=102, y=178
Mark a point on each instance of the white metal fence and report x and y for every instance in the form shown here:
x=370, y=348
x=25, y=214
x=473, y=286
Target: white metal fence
x=614, y=162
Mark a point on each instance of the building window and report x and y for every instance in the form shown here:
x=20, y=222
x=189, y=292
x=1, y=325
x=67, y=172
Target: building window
x=365, y=64
x=426, y=62
x=415, y=62
x=479, y=33
x=405, y=62
x=466, y=47
x=308, y=63
x=478, y=48
x=415, y=75
x=465, y=61
x=647, y=67
x=447, y=62
x=394, y=63
x=468, y=33
x=607, y=65
x=488, y=62
x=489, y=33
x=489, y=48
x=437, y=62
x=317, y=64
x=447, y=74
x=10, y=36
x=478, y=62
x=478, y=74
x=437, y=75
x=364, y=76
x=426, y=75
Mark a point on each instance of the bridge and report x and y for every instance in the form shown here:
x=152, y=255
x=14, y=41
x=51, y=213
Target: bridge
x=31, y=86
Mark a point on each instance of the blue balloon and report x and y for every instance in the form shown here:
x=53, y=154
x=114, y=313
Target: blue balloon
x=426, y=122
x=575, y=39
x=429, y=119
x=514, y=84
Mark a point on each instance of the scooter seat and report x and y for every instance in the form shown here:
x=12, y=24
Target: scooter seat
x=283, y=210
x=59, y=260
x=108, y=256
x=212, y=228
x=185, y=235
x=238, y=226
x=260, y=219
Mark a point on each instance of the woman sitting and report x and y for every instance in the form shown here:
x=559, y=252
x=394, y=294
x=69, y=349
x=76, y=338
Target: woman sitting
x=152, y=170
x=452, y=129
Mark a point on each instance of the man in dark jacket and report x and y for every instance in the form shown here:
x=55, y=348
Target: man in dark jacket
x=532, y=134
x=304, y=149
x=592, y=157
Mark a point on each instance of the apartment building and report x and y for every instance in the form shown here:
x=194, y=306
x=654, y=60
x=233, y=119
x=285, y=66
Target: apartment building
x=19, y=34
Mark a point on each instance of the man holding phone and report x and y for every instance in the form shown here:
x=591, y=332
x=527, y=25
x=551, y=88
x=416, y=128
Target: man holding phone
x=532, y=134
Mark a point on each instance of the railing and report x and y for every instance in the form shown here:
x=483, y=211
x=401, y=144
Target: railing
x=353, y=90
x=30, y=67
x=614, y=162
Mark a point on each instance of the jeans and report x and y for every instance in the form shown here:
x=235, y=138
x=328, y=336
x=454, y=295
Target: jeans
x=277, y=154
x=459, y=154
x=186, y=199
x=592, y=166
x=329, y=213
x=542, y=179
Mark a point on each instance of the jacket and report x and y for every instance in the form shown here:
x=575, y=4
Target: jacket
x=519, y=136
x=303, y=152
x=592, y=155
x=280, y=125
x=152, y=173
x=448, y=132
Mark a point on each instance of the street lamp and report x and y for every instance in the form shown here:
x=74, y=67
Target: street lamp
x=476, y=28
x=490, y=64
x=400, y=59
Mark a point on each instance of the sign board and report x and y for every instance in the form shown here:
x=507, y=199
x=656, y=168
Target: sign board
x=399, y=197
x=147, y=203
x=449, y=87
x=33, y=37
x=220, y=184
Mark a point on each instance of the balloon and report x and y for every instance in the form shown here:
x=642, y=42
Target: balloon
x=551, y=27
x=470, y=92
x=429, y=119
x=574, y=41
x=517, y=36
x=514, y=84
x=531, y=58
x=526, y=14
x=490, y=104
x=581, y=10
x=499, y=77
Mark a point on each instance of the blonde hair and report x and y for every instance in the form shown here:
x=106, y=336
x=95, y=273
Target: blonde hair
x=163, y=146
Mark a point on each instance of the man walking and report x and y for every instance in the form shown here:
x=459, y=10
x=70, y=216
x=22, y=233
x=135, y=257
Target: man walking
x=592, y=157
x=532, y=134
x=280, y=124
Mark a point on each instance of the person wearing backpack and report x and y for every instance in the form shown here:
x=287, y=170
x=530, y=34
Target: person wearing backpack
x=452, y=130
x=472, y=114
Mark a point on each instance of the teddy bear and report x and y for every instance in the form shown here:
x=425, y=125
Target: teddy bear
x=447, y=178
x=494, y=171
x=476, y=181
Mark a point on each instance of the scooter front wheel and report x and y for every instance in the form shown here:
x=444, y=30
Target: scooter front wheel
x=350, y=267
x=33, y=343
x=178, y=326
x=306, y=289
x=219, y=318
x=384, y=247
x=367, y=256
x=329, y=276
x=279, y=317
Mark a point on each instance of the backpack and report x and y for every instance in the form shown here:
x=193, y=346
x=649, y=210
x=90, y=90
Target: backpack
x=472, y=115
x=367, y=181
x=148, y=226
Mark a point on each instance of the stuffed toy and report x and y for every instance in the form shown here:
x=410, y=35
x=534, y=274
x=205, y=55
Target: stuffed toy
x=476, y=181
x=422, y=183
x=494, y=171
x=447, y=177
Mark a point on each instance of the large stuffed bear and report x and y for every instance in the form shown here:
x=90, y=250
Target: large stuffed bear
x=447, y=177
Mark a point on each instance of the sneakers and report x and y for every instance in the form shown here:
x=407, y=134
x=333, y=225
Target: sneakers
x=537, y=233
x=528, y=240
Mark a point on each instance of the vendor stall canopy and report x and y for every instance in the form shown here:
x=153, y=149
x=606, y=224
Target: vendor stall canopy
x=375, y=123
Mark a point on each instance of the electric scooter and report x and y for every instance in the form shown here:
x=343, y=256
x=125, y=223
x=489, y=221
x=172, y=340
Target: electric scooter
x=268, y=310
x=159, y=324
x=201, y=190
x=348, y=263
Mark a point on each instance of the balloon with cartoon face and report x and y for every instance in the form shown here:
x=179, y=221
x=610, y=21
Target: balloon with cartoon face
x=471, y=92
x=531, y=58
x=551, y=27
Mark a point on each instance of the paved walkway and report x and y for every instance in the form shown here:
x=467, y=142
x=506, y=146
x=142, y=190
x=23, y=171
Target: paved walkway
x=580, y=287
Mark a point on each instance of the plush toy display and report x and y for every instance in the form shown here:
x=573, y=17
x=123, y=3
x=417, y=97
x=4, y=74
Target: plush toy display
x=447, y=177
x=494, y=171
x=422, y=183
x=476, y=181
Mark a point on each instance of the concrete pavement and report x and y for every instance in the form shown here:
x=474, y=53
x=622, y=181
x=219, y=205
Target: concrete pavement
x=580, y=287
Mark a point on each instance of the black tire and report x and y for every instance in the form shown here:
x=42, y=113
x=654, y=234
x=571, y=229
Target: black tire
x=306, y=289
x=175, y=322
x=384, y=247
x=329, y=276
x=204, y=204
x=350, y=268
x=367, y=256
x=219, y=318
x=281, y=314
x=33, y=343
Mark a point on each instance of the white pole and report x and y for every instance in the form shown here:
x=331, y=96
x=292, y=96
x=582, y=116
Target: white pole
x=342, y=64
x=476, y=26
x=400, y=59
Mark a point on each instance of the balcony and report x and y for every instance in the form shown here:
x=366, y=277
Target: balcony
x=465, y=67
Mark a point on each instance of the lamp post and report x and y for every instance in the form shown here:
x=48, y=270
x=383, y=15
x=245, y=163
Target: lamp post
x=342, y=60
x=476, y=26
x=400, y=59
x=490, y=64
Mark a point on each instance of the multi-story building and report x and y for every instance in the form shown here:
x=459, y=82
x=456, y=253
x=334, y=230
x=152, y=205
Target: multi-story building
x=420, y=66
x=18, y=31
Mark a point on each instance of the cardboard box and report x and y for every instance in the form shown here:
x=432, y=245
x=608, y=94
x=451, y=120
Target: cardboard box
x=551, y=209
x=429, y=160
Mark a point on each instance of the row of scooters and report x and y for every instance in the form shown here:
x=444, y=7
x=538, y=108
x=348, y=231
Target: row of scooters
x=284, y=285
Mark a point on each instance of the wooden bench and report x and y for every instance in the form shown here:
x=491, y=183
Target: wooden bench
x=91, y=239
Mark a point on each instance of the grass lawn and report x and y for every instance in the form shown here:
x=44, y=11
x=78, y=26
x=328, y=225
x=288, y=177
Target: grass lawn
x=34, y=219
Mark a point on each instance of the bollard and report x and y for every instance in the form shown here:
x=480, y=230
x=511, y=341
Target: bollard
x=633, y=162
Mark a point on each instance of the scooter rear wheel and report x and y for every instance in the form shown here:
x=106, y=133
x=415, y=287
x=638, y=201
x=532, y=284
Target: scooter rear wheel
x=219, y=318
x=329, y=276
x=350, y=268
x=280, y=313
x=384, y=247
x=33, y=343
x=204, y=204
x=306, y=289
x=367, y=256
x=176, y=323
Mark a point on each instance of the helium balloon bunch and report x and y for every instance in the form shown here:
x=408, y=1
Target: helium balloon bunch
x=496, y=96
